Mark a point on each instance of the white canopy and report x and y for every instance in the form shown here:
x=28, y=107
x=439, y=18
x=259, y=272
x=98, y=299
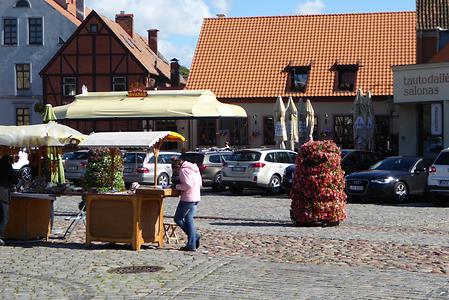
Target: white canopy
x=179, y=104
x=145, y=139
x=50, y=134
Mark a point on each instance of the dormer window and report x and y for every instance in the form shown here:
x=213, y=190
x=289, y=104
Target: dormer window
x=93, y=28
x=346, y=76
x=22, y=3
x=299, y=77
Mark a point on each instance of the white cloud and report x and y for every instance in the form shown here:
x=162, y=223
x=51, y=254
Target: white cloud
x=179, y=17
x=183, y=53
x=313, y=7
x=222, y=6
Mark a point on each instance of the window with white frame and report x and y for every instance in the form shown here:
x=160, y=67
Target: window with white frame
x=22, y=116
x=23, y=76
x=69, y=86
x=35, y=31
x=22, y=3
x=10, y=32
x=119, y=83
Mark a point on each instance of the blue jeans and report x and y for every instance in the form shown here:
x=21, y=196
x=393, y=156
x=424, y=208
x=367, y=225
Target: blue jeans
x=184, y=219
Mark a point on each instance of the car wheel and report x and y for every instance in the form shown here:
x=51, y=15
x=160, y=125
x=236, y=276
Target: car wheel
x=400, y=192
x=217, y=186
x=25, y=174
x=236, y=190
x=163, y=179
x=274, y=186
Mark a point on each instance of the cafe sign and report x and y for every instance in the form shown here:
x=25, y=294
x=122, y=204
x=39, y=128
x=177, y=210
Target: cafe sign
x=421, y=83
x=137, y=90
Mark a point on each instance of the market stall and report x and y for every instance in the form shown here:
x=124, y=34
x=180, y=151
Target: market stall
x=127, y=217
x=30, y=211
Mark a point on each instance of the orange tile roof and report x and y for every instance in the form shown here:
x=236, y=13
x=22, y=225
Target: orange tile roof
x=247, y=57
x=64, y=12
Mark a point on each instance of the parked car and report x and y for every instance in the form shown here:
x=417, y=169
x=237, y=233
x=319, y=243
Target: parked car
x=75, y=165
x=351, y=161
x=438, y=180
x=139, y=167
x=210, y=164
x=396, y=178
x=262, y=168
x=66, y=155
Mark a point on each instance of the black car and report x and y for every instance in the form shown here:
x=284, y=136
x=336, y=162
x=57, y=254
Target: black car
x=352, y=161
x=394, y=178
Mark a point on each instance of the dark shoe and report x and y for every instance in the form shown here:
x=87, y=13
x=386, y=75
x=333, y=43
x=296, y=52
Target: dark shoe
x=198, y=242
x=185, y=248
x=2, y=243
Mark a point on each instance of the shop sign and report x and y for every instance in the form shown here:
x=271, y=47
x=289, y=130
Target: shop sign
x=436, y=119
x=137, y=90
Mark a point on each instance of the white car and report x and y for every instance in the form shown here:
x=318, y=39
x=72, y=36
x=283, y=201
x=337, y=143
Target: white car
x=438, y=179
x=139, y=167
x=262, y=168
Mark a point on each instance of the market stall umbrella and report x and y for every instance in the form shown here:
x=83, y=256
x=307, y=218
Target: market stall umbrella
x=280, y=131
x=292, y=124
x=359, y=119
x=50, y=134
x=54, y=156
x=370, y=121
x=306, y=117
x=146, y=139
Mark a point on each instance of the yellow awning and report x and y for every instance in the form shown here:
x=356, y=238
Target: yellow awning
x=179, y=104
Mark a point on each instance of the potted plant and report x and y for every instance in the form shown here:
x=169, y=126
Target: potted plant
x=317, y=194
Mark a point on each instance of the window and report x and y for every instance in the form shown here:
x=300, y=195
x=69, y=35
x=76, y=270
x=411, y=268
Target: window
x=69, y=86
x=346, y=77
x=22, y=3
x=22, y=76
x=215, y=159
x=22, y=116
x=268, y=131
x=207, y=129
x=10, y=31
x=443, y=39
x=343, y=131
x=270, y=157
x=282, y=158
x=35, y=31
x=167, y=125
x=299, y=77
x=119, y=84
x=234, y=131
x=93, y=28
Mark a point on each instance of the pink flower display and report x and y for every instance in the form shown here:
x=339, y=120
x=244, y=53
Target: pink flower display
x=318, y=196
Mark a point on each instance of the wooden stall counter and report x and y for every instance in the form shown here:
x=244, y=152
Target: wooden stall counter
x=127, y=218
x=29, y=216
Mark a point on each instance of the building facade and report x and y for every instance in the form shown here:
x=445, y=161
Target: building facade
x=325, y=58
x=103, y=56
x=31, y=33
x=421, y=91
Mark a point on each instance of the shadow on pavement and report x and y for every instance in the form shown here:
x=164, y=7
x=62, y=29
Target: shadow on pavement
x=254, y=224
x=60, y=244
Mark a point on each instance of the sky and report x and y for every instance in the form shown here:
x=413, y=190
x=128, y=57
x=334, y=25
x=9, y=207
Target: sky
x=179, y=21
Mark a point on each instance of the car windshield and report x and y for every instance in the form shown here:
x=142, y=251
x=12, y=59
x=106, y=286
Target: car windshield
x=132, y=158
x=395, y=164
x=245, y=156
x=67, y=155
x=442, y=159
x=79, y=155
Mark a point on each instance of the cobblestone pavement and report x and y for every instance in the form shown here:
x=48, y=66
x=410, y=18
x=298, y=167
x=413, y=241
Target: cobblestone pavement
x=249, y=250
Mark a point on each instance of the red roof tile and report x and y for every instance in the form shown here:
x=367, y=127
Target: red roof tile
x=64, y=12
x=247, y=57
x=432, y=14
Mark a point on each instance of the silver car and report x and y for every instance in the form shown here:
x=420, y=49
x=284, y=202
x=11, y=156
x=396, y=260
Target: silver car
x=139, y=167
x=75, y=165
x=261, y=168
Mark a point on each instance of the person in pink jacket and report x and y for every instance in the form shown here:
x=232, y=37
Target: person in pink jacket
x=190, y=187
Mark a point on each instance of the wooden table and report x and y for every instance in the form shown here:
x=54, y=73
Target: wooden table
x=127, y=218
x=30, y=216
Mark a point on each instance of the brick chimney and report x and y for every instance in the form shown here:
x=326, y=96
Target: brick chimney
x=152, y=40
x=126, y=21
x=174, y=73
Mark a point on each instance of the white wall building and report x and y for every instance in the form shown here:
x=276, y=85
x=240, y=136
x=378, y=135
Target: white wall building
x=31, y=33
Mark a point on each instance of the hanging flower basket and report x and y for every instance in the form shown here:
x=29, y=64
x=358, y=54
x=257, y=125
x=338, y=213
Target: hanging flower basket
x=318, y=196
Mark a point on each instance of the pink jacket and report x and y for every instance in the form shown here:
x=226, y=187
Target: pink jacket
x=191, y=182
